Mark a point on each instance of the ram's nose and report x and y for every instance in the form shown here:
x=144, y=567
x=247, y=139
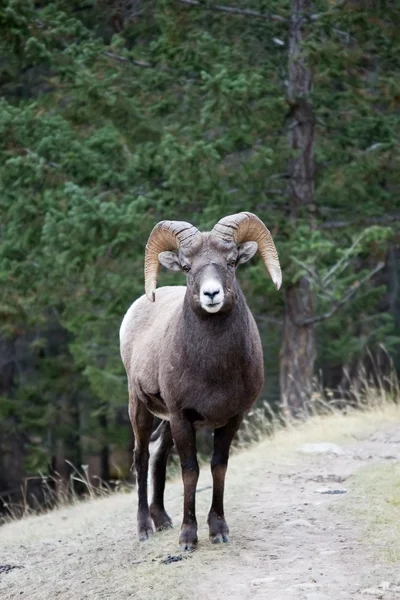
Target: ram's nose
x=211, y=295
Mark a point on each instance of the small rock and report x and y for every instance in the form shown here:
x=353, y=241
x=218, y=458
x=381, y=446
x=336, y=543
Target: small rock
x=304, y=586
x=8, y=568
x=324, y=448
x=172, y=559
x=330, y=491
x=299, y=523
x=262, y=581
x=385, y=585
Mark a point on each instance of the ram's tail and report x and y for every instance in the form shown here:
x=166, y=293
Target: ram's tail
x=162, y=434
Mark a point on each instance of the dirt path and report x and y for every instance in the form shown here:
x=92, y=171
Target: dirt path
x=289, y=507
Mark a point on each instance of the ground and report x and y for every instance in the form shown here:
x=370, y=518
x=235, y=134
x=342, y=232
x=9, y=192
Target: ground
x=314, y=514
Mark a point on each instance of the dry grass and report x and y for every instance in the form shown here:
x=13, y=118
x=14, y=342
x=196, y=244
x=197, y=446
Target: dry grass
x=366, y=392
x=375, y=502
x=368, y=398
x=56, y=493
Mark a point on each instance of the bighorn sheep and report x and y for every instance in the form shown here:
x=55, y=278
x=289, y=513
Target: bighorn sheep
x=193, y=357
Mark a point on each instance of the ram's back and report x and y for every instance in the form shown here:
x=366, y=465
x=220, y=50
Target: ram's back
x=144, y=331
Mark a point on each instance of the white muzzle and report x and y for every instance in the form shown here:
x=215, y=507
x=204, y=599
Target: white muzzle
x=211, y=296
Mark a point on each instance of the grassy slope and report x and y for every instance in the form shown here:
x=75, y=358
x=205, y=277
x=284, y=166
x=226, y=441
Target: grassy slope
x=375, y=502
x=90, y=550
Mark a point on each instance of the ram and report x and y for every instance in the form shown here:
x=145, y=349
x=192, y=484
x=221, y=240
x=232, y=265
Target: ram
x=193, y=357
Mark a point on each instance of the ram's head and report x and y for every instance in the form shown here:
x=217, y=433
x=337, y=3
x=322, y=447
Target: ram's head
x=209, y=260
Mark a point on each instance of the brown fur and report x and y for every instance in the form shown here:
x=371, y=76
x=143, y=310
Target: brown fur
x=190, y=368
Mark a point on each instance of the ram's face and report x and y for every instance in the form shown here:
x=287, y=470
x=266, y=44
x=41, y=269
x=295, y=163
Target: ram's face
x=210, y=267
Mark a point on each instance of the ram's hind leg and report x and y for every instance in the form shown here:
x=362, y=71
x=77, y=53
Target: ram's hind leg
x=223, y=436
x=160, y=446
x=142, y=421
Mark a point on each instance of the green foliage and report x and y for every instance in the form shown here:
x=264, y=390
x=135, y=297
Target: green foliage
x=95, y=149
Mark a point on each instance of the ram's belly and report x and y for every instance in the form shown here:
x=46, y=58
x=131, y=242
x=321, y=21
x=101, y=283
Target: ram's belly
x=156, y=405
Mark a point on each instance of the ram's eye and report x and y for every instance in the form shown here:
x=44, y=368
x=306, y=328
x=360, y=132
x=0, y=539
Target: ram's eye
x=232, y=263
x=186, y=268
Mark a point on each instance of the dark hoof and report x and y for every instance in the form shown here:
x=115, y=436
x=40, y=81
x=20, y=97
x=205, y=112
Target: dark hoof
x=167, y=524
x=160, y=518
x=219, y=530
x=188, y=546
x=145, y=530
x=220, y=538
x=188, y=538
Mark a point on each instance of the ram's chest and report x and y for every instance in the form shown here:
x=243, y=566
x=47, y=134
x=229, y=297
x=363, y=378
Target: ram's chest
x=212, y=392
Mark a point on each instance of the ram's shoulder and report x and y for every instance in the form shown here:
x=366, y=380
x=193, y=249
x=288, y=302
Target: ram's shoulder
x=168, y=294
x=143, y=312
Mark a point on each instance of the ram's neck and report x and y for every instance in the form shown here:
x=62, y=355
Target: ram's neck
x=215, y=341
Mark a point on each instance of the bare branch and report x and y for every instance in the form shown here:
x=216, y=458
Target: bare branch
x=306, y=267
x=261, y=319
x=144, y=64
x=361, y=221
x=46, y=162
x=237, y=11
x=347, y=296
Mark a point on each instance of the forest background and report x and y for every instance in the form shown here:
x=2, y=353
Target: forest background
x=115, y=115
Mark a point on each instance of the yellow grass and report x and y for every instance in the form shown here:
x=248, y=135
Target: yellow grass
x=375, y=503
x=334, y=425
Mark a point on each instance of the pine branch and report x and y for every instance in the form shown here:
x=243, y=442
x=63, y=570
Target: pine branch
x=237, y=11
x=345, y=298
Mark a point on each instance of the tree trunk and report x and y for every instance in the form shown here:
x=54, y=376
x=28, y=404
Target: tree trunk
x=104, y=451
x=12, y=449
x=298, y=349
x=67, y=445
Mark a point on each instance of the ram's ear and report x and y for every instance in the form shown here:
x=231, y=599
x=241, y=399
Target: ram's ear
x=246, y=251
x=170, y=260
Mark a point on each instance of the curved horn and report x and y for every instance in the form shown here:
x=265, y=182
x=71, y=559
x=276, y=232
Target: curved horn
x=247, y=227
x=166, y=235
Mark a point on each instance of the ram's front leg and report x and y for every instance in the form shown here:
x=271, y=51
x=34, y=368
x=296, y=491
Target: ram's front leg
x=223, y=436
x=185, y=441
x=142, y=421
